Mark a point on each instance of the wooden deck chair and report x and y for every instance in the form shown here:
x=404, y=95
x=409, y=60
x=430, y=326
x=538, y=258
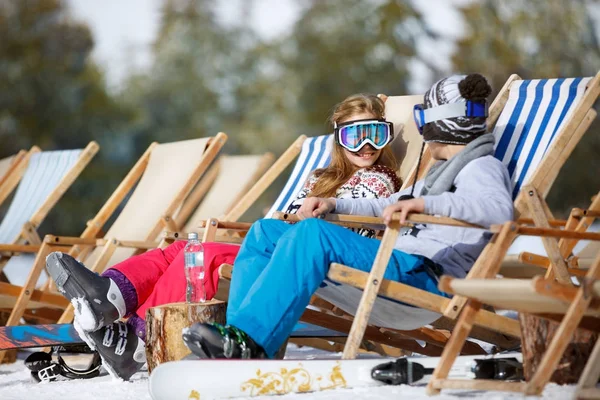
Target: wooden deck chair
x=46, y=178
x=163, y=177
x=540, y=296
x=11, y=171
x=538, y=125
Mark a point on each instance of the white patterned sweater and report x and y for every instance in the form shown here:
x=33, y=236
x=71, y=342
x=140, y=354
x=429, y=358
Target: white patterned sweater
x=373, y=182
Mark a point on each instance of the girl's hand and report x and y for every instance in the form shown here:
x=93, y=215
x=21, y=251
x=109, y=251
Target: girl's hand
x=383, y=97
x=314, y=207
x=403, y=207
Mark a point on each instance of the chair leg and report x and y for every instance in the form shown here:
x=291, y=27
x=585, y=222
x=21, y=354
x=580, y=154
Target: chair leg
x=455, y=344
x=590, y=376
x=370, y=292
x=28, y=288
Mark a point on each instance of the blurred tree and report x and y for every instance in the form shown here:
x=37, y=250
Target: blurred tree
x=52, y=96
x=539, y=39
x=336, y=48
x=187, y=92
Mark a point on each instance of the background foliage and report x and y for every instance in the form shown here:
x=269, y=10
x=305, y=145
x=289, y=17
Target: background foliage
x=208, y=77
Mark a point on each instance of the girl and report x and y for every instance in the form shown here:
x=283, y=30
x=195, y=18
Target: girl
x=362, y=166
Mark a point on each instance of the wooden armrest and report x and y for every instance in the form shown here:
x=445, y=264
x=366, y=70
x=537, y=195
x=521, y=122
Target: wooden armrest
x=550, y=232
x=19, y=248
x=138, y=244
x=70, y=240
x=377, y=221
x=232, y=226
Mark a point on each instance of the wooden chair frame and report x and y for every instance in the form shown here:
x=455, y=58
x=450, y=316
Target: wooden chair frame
x=83, y=245
x=579, y=301
x=9, y=181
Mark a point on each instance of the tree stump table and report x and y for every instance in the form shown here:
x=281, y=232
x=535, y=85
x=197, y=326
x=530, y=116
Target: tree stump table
x=536, y=335
x=165, y=323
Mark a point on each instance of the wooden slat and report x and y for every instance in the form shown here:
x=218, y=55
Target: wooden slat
x=378, y=222
x=370, y=291
x=419, y=298
x=540, y=217
x=15, y=173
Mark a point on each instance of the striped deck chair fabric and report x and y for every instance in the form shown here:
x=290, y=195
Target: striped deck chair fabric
x=535, y=111
x=316, y=153
x=44, y=172
x=538, y=109
x=526, y=128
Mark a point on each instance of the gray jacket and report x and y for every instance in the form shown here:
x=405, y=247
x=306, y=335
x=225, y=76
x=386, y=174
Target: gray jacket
x=482, y=196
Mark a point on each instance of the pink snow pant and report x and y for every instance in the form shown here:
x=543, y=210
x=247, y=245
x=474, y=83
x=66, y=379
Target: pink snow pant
x=158, y=275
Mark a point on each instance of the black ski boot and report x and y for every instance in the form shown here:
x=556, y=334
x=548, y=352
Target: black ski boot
x=97, y=300
x=122, y=352
x=214, y=340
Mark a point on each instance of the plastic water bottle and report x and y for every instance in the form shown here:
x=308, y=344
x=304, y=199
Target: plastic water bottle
x=194, y=270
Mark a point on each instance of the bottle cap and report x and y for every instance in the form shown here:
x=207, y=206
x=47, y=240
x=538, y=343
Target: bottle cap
x=193, y=236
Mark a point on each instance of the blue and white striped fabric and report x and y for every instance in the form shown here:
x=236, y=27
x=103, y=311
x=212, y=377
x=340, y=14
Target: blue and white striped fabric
x=535, y=111
x=43, y=174
x=315, y=153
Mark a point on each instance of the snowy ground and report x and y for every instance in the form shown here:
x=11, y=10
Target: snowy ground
x=16, y=383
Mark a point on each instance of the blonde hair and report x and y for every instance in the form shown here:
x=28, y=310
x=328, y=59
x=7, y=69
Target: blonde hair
x=341, y=169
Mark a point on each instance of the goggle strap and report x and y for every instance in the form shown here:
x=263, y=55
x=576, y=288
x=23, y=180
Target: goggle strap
x=453, y=110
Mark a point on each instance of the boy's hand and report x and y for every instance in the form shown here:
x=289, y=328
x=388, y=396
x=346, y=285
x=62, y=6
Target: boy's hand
x=403, y=207
x=314, y=207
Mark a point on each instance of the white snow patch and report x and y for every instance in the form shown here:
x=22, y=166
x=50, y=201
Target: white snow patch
x=84, y=315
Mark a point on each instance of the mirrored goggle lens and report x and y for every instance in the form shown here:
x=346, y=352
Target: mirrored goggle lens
x=354, y=136
x=419, y=117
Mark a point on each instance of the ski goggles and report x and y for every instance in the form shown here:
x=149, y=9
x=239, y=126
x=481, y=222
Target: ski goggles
x=44, y=369
x=354, y=135
x=424, y=116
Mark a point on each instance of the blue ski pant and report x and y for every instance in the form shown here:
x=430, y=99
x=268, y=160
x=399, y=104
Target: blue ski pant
x=280, y=266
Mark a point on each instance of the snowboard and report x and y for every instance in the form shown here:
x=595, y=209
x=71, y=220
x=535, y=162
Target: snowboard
x=24, y=336
x=218, y=379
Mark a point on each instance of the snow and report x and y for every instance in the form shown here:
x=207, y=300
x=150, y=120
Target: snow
x=16, y=383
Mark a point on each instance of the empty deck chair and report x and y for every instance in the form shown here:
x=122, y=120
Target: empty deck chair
x=162, y=182
x=538, y=125
x=47, y=177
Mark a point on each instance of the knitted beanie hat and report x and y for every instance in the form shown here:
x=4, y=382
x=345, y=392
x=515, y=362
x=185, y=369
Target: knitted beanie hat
x=456, y=89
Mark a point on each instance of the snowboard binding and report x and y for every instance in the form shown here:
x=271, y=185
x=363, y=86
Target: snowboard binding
x=504, y=369
x=404, y=372
x=399, y=372
x=44, y=369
